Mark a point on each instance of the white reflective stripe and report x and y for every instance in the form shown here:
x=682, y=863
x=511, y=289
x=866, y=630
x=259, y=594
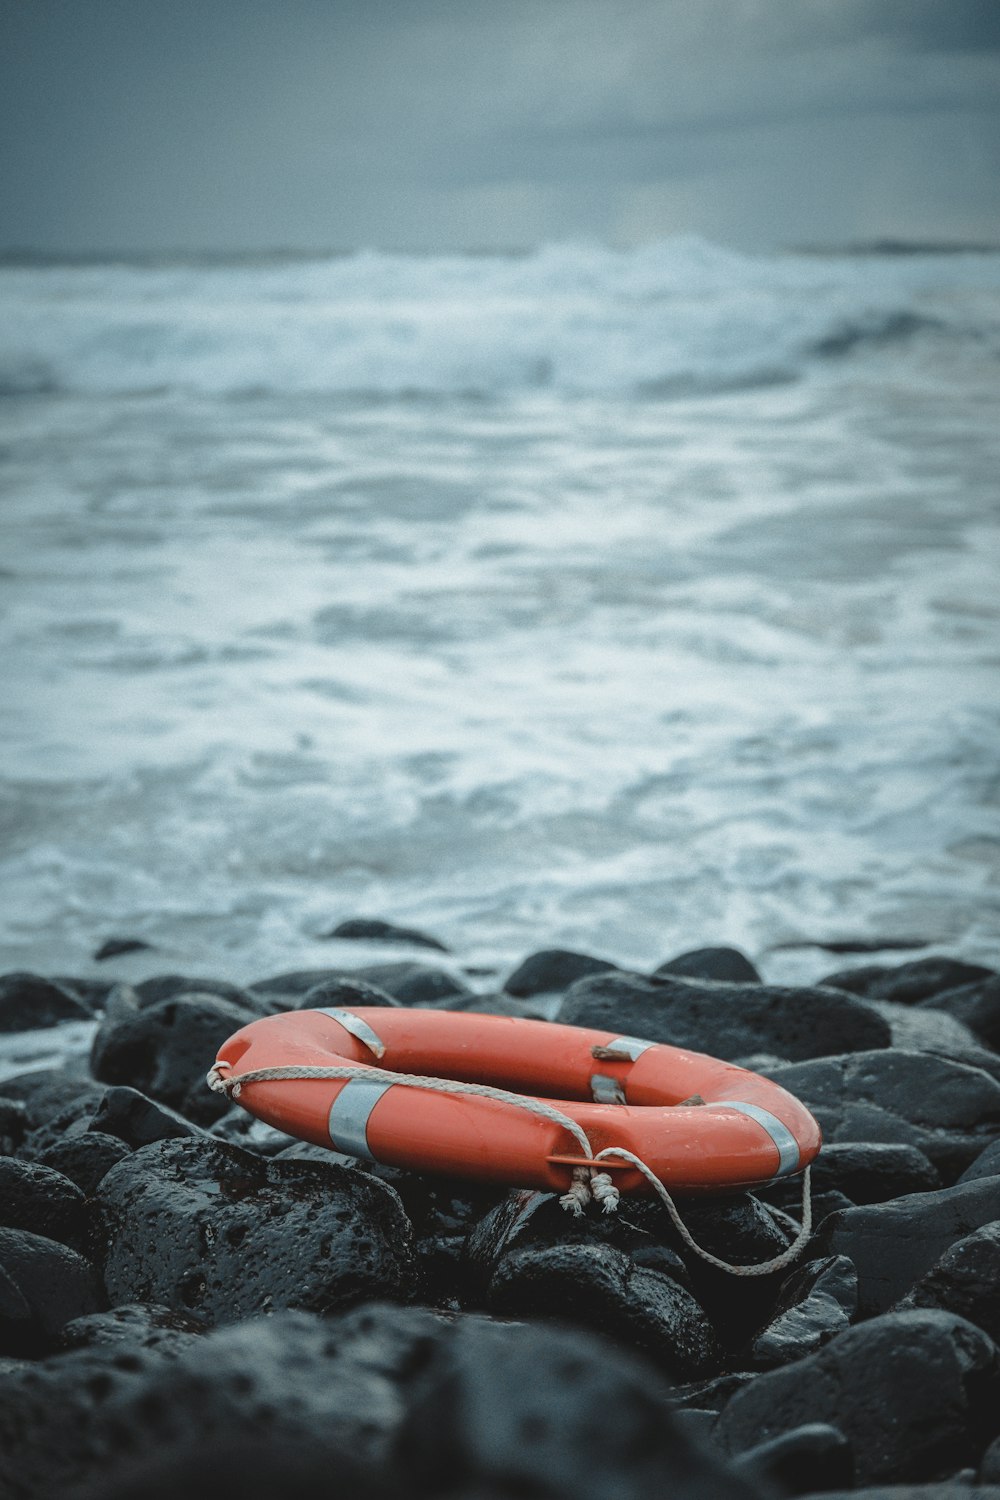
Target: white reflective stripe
x=786, y=1144
x=356, y=1027
x=349, y=1114
x=629, y=1047
x=606, y=1090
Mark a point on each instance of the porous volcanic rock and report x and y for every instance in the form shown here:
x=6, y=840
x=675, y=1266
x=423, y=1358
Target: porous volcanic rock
x=138, y=1120
x=84, y=1158
x=892, y=1244
x=206, y=1228
x=966, y=1280
x=43, y=1284
x=915, y=1394
x=42, y=1201
x=726, y=1020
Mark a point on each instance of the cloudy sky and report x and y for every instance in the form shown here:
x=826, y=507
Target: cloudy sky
x=147, y=125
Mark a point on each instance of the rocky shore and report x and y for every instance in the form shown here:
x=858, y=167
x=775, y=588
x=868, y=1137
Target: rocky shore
x=189, y=1300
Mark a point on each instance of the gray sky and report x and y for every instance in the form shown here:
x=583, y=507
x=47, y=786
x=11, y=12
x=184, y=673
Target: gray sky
x=434, y=124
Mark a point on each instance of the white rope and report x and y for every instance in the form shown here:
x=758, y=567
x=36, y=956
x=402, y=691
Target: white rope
x=586, y=1184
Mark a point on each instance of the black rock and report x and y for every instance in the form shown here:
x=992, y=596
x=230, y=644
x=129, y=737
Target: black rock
x=27, y=1002
x=208, y=1229
x=166, y=1051
x=915, y=1394
x=726, y=1020
x=249, y=1466
x=134, y=1325
x=711, y=1395
x=92, y=993
x=114, y=947
x=910, y=983
x=42, y=1201
x=43, y=1285
x=741, y=1231
x=893, y=1244
x=797, y=1461
x=172, y=986
x=924, y=1028
x=863, y=1172
x=553, y=969
x=343, y=994
x=84, y=1158
x=46, y=1093
x=13, y=1124
x=977, y=1006
x=727, y=964
x=986, y=1164
x=599, y=1287
x=512, y=1411
x=137, y=1120
x=966, y=1280
x=957, y=1488
x=816, y=1302
x=989, y=1469
x=412, y=984
x=65, y=1126
x=945, y=1109
x=375, y=930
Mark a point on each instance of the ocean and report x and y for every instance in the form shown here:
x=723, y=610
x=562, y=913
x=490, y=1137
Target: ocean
x=619, y=600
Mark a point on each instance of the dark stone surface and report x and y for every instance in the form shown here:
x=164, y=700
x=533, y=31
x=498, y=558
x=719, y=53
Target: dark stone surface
x=43, y=1284
x=46, y=1093
x=893, y=1244
x=986, y=1164
x=816, y=1302
x=915, y=1394
x=726, y=1020
x=84, y=1158
x=412, y=984
x=864, y=1172
x=27, y=1002
x=162, y=1051
x=924, y=1028
x=945, y=1109
x=115, y=947
x=740, y=1230
x=947, y=1489
x=13, y=1124
x=597, y=1286
x=908, y=984
x=797, y=1461
x=208, y=1229
x=553, y=969
x=133, y=1325
x=344, y=994
x=536, y=1411
x=172, y=986
x=41, y=1200
x=727, y=964
x=989, y=1469
x=977, y=1006
x=966, y=1280
x=138, y=1120
x=374, y=929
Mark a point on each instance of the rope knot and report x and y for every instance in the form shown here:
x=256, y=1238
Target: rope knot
x=589, y=1186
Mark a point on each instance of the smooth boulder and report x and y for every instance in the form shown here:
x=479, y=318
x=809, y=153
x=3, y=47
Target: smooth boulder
x=27, y=1001
x=552, y=970
x=966, y=1280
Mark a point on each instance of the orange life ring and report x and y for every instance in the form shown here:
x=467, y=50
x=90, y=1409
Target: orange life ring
x=701, y=1125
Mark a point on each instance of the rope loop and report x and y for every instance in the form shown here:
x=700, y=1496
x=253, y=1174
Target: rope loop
x=587, y=1185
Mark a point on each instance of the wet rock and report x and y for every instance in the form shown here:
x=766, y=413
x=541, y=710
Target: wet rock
x=205, y=1228
x=986, y=1164
x=914, y=1393
x=553, y=969
x=989, y=1469
x=945, y=1109
x=65, y=1126
x=91, y=993
x=966, y=1280
x=797, y=1461
x=740, y=1230
x=115, y=947
x=922, y=1028
x=727, y=964
x=531, y=1410
x=908, y=983
x=726, y=1020
x=27, y=1001
x=13, y=1124
x=977, y=1006
x=863, y=1172
x=958, y=1488
x=172, y=986
x=412, y=984
x=343, y=994
x=893, y=1244
x=816, y=1302
x=138, y=1120
x=599, y=1287
x=499, y=1003
x=714, y=1394
x=134, y=1325
x=248, y=1467
x=373, y=929
x=84, y=1158
x=162, y=1051
x=42, y=1201
x=43, y=1285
